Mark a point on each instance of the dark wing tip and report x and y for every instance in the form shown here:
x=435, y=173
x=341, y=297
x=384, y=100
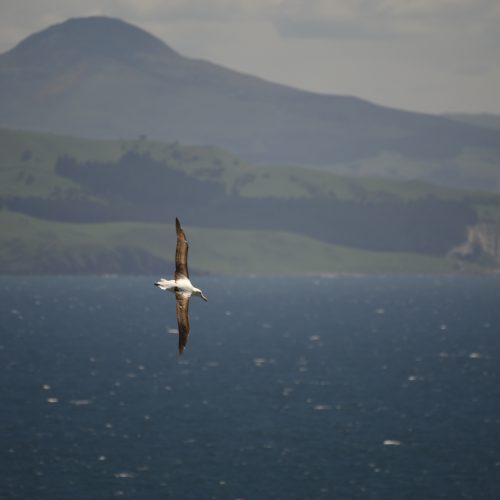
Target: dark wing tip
x=177, y=224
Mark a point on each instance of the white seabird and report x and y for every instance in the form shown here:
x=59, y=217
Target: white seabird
x=181, y=286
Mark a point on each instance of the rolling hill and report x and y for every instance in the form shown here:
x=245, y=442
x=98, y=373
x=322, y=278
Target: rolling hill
x=71, y=205
x=102, y=78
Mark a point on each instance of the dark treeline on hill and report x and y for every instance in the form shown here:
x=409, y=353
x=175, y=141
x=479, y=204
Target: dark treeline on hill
x=139, y=188
x=137, y=178
x=428, y=226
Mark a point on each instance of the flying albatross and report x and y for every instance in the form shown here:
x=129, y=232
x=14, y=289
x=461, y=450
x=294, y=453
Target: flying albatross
x=181, y=286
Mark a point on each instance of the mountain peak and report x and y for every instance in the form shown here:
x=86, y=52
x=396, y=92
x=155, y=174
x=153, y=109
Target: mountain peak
x=89, y=36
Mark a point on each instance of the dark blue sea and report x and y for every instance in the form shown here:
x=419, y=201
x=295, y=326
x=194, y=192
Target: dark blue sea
x=290, y=388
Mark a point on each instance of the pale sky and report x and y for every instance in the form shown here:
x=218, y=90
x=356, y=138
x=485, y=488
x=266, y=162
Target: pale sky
x=425, y=55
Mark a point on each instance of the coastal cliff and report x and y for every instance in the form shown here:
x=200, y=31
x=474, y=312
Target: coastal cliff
x=482, y=244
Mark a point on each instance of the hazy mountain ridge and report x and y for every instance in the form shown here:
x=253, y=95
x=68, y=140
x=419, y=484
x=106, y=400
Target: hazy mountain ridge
x=487, y=120
x=102, y=78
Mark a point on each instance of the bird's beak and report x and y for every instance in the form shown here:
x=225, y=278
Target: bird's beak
x=204, y=298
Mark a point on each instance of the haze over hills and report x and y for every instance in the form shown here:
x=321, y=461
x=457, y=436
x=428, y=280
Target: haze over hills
x=488, y=120
x=102, y=78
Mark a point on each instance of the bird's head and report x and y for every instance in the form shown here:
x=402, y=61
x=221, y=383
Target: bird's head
x=199, y=293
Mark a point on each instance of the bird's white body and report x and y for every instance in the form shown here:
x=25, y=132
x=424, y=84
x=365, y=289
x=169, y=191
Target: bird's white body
x=182, y=285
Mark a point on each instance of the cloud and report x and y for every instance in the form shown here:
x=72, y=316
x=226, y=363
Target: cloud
x=382, y=19
x=344, y=19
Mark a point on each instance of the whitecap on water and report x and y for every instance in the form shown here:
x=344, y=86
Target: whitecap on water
x=392, y=442
x=322, y=407
x=80, y=402
x=124, y=475
x=17, y=313
x=302, y=364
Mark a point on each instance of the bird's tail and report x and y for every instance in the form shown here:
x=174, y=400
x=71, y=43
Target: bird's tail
x=163, y=284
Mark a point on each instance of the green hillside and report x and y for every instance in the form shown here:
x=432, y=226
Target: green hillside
x=27, y=161
x=471, y=169
x=85, y=206
x=29, y=245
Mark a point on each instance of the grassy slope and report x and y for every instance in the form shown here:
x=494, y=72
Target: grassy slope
x=27, y=169
x=215, y=251
x=27, y=159
x=475, y=168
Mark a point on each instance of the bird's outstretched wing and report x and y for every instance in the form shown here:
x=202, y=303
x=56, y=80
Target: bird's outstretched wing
x=181, y=253
x=182, y=303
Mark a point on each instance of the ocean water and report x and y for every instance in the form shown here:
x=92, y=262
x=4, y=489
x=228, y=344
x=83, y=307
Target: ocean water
x=294, y=388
